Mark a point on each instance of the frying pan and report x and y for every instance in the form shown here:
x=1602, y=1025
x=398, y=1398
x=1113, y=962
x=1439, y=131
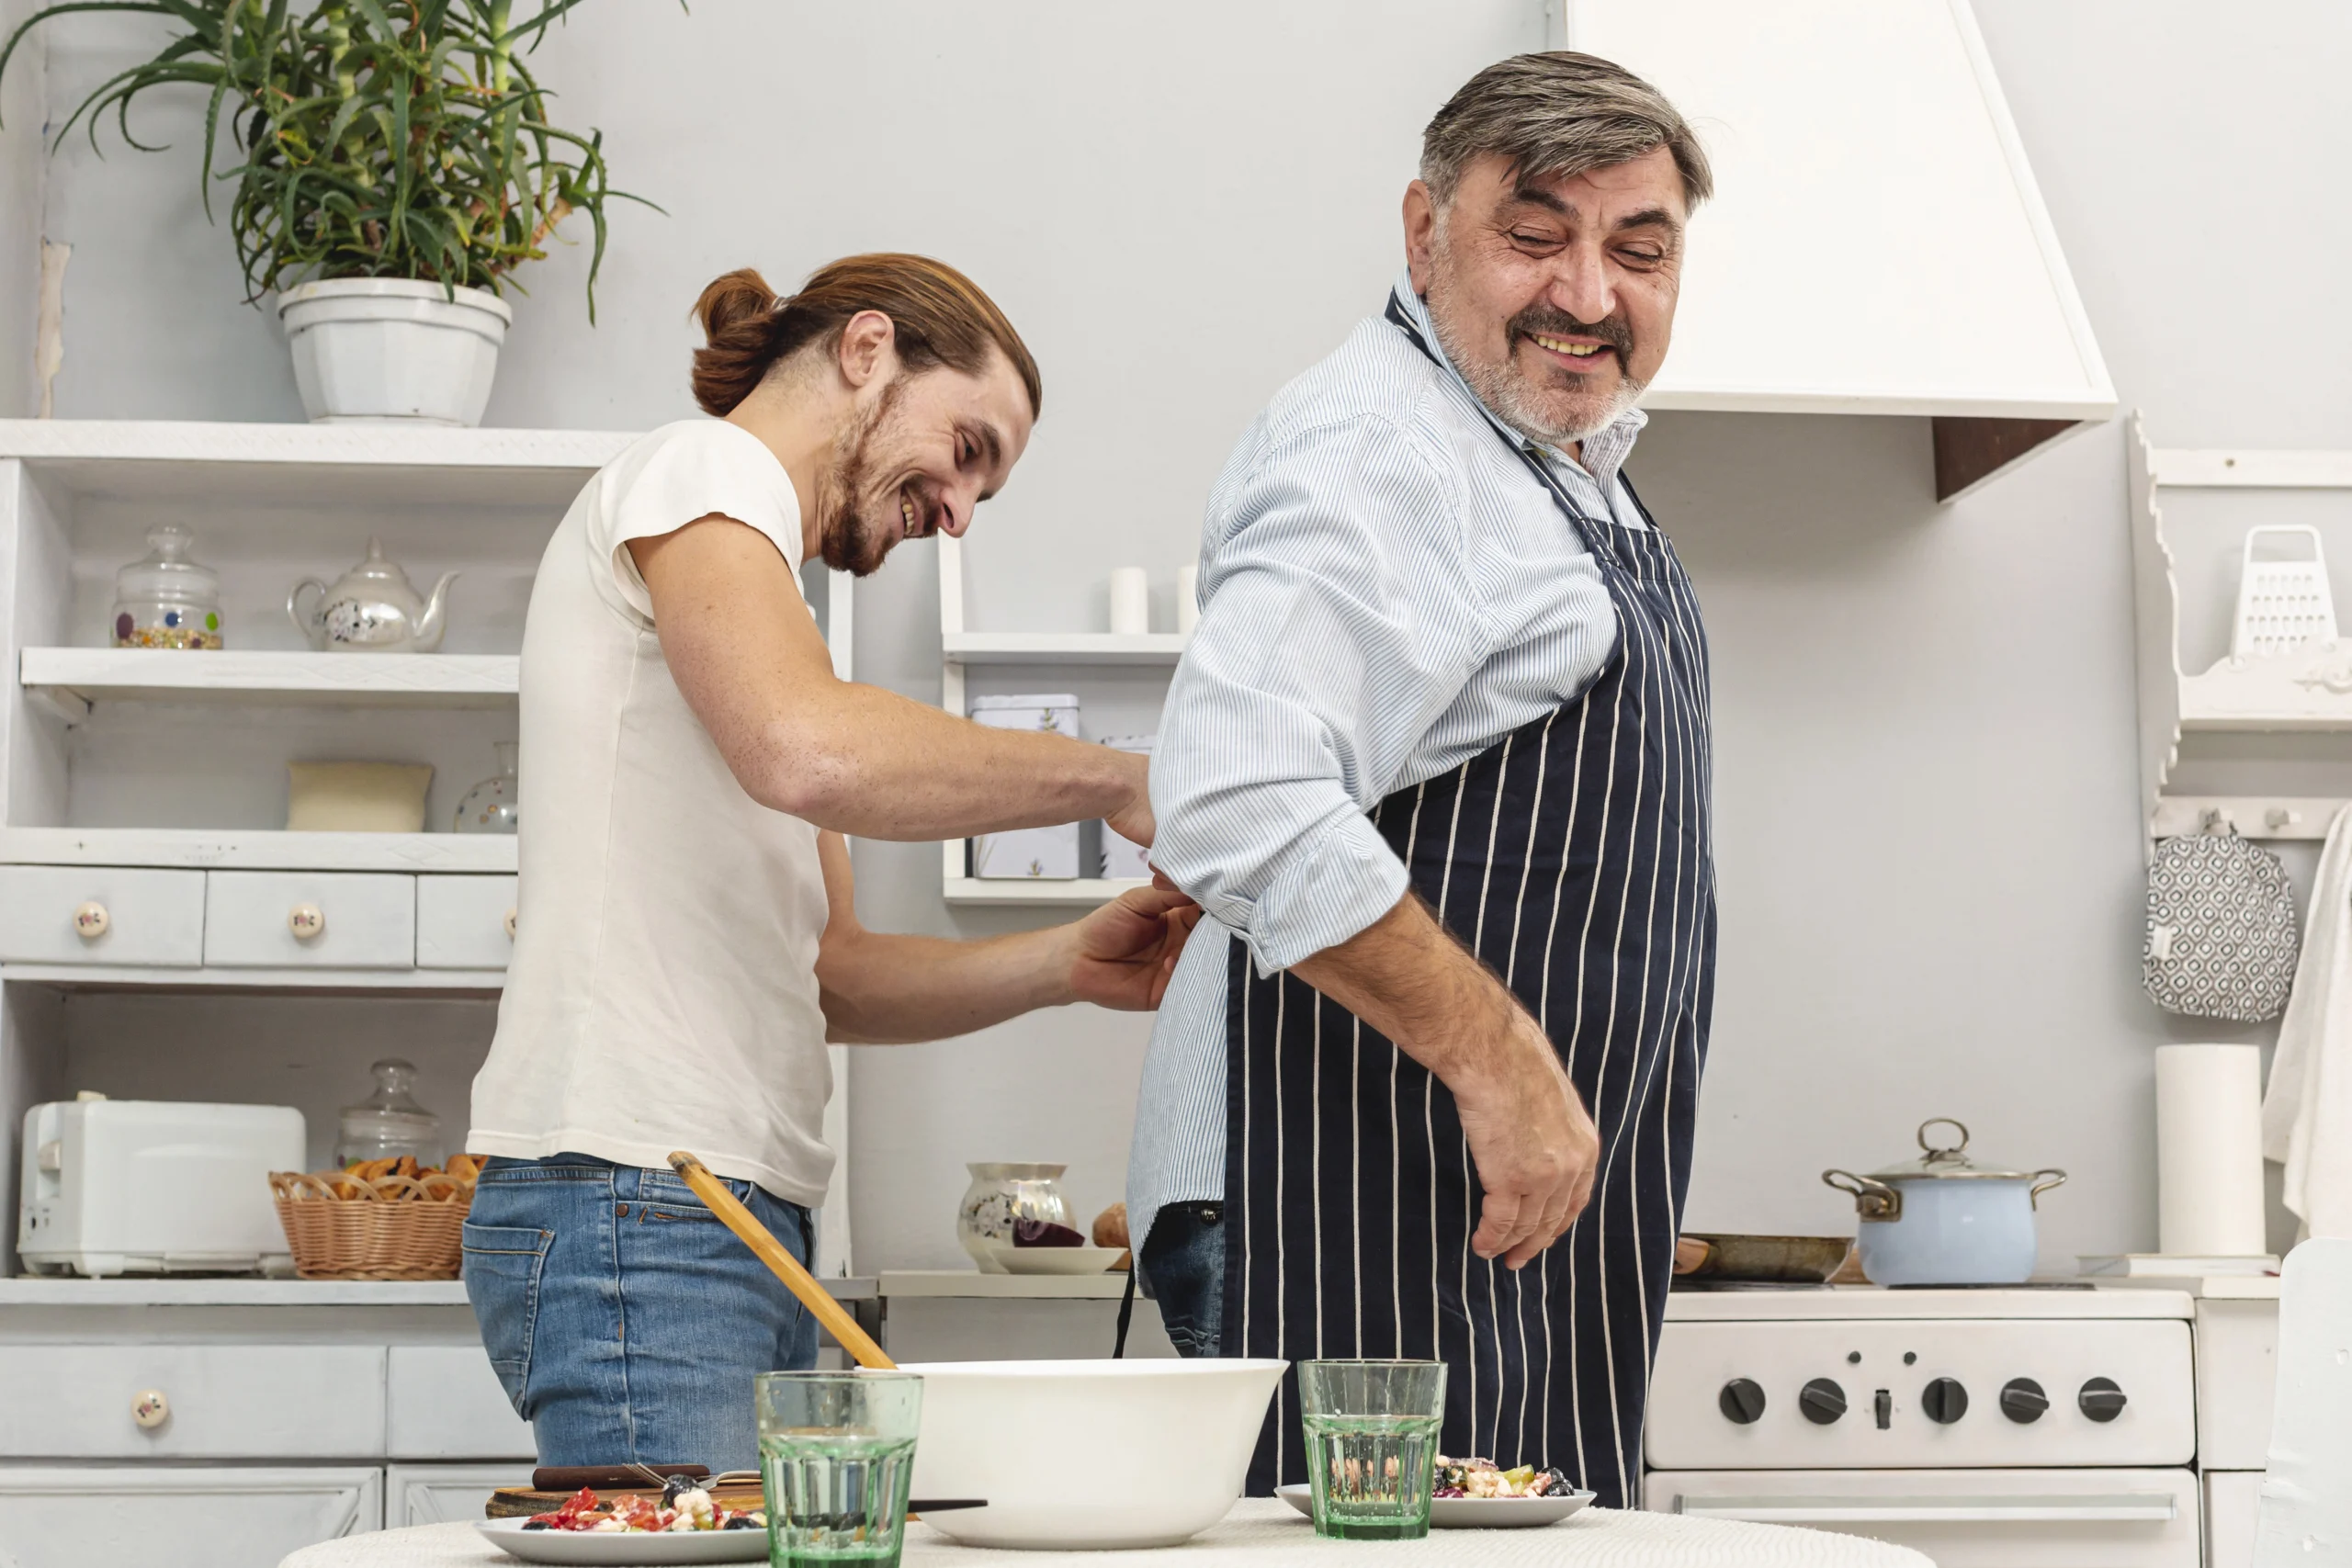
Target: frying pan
x=1764, y=1259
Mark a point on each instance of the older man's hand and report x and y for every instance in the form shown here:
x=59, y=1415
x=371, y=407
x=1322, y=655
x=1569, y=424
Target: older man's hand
x=1534, y=1146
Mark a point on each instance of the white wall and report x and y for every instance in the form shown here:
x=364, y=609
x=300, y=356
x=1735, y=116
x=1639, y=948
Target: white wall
x=1929, y=861
x=21, y=170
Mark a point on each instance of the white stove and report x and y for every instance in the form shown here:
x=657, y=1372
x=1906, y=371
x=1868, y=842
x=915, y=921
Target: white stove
x=2022, y=1429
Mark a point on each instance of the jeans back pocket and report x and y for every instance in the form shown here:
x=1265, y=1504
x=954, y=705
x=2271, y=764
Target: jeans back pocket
x=503, y=1264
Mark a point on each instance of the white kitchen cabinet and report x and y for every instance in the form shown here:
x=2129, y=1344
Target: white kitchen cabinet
x=444, y=1493
x=2237, y=1382
x=101, y=914
x=465, y=922
x=2233, y=1502
x=178, y=1515
x=445, y=1402
x=218, y=1401
x=295, y=919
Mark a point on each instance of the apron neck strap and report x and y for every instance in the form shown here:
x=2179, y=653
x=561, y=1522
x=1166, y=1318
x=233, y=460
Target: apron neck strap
x=1594, y=534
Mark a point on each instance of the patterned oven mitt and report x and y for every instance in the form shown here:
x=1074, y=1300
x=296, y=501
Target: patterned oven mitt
x=2221, y=929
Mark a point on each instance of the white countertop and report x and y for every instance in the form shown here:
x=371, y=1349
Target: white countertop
x=937, y=1282
x=1263, y=1533
x=240, y=1292
x=1850, y=1301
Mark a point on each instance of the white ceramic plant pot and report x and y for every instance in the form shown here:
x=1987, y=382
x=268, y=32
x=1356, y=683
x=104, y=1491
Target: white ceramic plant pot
x=387, y=349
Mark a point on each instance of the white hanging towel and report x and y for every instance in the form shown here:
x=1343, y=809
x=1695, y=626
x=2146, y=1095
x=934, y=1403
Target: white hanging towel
x=2307, y=1110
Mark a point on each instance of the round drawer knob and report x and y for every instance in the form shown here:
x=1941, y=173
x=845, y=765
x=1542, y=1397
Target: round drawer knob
x=150, y=1408
x=509, y=923
x=91, y=920
x=306, y=921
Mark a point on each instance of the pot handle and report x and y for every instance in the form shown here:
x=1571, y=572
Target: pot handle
x=309, y=627
x=1872, y=1199
x=2043, y=1180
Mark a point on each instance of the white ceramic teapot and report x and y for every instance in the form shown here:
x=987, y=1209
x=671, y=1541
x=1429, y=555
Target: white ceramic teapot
x=372, y=608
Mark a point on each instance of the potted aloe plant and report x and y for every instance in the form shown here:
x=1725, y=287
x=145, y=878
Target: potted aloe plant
x=393, y=165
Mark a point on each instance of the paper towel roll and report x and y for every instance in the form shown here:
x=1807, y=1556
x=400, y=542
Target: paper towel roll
x=1187, y=598
x=1130, y=601
x=2209, y=1151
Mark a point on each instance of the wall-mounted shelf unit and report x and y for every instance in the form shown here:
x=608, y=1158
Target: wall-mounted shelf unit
x=107, y=755
x=1095, y=651
x=2304, y=695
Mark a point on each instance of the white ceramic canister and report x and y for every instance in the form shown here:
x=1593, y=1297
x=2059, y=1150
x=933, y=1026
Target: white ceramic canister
x=1000, y=1194
x=1945, y=1219
x=393, y=350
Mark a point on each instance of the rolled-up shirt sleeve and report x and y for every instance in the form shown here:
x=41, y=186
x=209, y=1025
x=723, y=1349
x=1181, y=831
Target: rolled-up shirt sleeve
x=1337, y=623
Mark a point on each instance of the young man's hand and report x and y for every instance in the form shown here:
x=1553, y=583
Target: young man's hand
x=1122, y=954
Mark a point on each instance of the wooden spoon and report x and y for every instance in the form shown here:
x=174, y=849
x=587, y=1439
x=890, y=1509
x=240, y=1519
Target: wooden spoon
x=787, y=1268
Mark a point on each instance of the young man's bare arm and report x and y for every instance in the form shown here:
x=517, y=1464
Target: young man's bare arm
x=1533, y=1143
x=746, y=653
x=881, y=990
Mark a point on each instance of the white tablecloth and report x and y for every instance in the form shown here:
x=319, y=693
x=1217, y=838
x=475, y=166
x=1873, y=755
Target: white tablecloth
x=1263, y=1533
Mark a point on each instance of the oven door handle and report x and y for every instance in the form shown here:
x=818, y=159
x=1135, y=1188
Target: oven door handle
x=2153, y=1508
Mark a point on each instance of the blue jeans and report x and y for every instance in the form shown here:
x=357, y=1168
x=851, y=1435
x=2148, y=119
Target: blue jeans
x=625, y=1319
x=1182, y=1268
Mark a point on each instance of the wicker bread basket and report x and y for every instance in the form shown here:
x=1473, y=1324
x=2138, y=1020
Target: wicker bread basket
x=408, y=1229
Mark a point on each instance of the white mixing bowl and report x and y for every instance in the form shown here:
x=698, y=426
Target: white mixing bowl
x=1087, y=1455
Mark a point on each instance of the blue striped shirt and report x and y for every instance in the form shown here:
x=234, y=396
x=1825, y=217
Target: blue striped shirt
x=1386, y=590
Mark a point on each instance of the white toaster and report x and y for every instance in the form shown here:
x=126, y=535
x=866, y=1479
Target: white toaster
x=154, y=1187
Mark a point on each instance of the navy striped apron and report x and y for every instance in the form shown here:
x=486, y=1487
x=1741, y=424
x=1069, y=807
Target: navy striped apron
x=1574, y=858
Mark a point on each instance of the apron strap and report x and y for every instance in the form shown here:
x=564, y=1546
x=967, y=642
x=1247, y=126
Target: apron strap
x=1594, y=534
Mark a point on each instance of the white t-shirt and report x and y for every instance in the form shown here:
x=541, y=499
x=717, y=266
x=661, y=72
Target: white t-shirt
x=664, y=990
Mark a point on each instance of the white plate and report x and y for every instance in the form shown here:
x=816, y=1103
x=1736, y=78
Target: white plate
x=1469, y=1513
x=625, y=1549
x=1057, y=1259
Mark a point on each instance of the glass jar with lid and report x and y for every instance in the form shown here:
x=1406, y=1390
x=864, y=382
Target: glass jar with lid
x=389, y=1123
x=165, y=600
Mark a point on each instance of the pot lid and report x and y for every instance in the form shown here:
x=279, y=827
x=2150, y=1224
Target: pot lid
x=1945, y=1159
x=165, y=572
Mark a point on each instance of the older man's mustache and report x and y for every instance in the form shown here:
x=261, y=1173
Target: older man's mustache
x=1543, y=319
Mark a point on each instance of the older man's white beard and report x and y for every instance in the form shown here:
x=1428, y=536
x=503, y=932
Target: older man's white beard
x=1504, y=394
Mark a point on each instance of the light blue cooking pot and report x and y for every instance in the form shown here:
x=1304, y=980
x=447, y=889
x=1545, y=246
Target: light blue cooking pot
x=1944, y=1219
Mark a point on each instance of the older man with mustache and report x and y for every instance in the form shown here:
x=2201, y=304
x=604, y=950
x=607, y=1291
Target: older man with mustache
x=1436, y=766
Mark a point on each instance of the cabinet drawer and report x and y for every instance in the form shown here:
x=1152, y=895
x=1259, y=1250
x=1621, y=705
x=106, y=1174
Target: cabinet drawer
x=366, y=921
x=220, y=1401
x=143, y=917
x=183, y=1515
x=449, y=1494
x=445, y=1402
x=461, y=921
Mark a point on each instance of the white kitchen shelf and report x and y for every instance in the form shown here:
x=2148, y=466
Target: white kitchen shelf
x=1078, y=891
x=339, y=982
x=1163, y=649
x=2307, y=692
x=958, y=649
x=328, y=465
x=970, y=1283
x=137, y=1290
x=84, y=676
x=258, y=849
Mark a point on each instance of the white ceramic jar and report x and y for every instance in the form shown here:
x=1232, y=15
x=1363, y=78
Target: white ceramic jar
x=393, y=350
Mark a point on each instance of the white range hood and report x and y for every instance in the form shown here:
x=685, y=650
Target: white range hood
x=1876, y=243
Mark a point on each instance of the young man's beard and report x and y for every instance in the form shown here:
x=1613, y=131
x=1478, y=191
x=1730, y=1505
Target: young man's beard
x=849, y=536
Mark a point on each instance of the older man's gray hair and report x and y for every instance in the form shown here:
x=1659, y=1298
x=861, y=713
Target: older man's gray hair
x=1559, y=113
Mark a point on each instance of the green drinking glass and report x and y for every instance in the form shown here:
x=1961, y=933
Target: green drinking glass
x=837, y=1451
x=1371, y=1445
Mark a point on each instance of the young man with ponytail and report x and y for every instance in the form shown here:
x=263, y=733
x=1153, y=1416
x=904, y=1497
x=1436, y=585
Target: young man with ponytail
x=687, y=939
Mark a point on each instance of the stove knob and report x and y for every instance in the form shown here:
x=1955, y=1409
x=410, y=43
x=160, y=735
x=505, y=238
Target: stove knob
x=1742, y=1400
x=2022, y=1400
x=2101, y=1399
x=1822, y=1402
x=1944, y=1401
